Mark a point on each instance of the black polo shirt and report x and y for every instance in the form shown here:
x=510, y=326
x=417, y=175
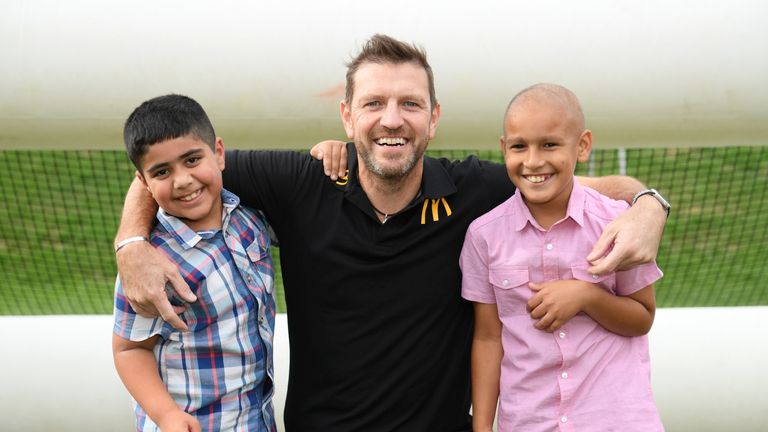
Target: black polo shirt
x=379, y=334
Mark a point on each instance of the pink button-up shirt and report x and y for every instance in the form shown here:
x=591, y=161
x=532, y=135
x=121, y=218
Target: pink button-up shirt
x=581, y=377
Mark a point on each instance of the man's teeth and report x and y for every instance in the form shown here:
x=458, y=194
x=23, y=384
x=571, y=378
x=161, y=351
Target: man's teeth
x=536, y=178
x=391, y=141
x=191, y=196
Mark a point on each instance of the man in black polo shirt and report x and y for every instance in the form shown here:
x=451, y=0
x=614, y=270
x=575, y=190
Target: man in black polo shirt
x=380, y=337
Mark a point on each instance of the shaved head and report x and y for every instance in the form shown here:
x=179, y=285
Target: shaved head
x=551, y=95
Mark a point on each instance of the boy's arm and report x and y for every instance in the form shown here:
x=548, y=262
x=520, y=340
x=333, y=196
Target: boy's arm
x=137, y=367
x=143, y=270
x=487, y=353
x=556, y=302
x=632, y=238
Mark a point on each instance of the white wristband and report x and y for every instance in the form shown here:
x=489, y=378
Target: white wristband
x=128, y=241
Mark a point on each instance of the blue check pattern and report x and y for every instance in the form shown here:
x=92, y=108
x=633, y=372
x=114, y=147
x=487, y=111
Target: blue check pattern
x=221, y=370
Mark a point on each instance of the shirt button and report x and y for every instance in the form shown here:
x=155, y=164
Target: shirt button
x=563, y=419
x=595, y=276
x=562, y=335
x=564, y=375
x=549, y=246
x=505, y=282
x=250, y=279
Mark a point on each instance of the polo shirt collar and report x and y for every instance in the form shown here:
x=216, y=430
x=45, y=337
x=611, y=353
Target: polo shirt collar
x=522, y=215
x=187, y=237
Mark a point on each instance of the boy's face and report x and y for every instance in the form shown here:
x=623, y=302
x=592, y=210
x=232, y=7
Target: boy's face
x=542, y=143
x=184, y=177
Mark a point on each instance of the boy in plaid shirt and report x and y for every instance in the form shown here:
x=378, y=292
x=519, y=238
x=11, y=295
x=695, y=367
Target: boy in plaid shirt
x=219, y=374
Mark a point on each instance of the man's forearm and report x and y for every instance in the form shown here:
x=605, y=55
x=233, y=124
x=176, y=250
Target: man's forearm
x=617, y=187
x=138, y=214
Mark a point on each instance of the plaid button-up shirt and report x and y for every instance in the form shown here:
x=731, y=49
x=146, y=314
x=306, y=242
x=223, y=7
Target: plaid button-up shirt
x=221, y=370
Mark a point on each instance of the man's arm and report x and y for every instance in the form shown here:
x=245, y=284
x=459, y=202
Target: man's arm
x=143, y=270
x=137, y=367
x=632, y=238
x=487, y=353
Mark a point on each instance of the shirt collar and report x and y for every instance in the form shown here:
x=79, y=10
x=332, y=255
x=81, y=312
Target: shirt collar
x=188, y=237
x=522, y=215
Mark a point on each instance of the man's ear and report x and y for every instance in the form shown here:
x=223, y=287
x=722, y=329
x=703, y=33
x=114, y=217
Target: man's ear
x=585, y=145
x=433, y=121
x=346, y=118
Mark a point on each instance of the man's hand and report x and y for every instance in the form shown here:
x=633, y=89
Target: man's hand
x=556, y=302
x=334, y=157
x=631, y=239
x=144, y=272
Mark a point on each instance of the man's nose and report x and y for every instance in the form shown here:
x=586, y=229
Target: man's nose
x=391, y=118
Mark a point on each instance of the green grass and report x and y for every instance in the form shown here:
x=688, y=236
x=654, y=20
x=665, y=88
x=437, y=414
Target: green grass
x=60, y=209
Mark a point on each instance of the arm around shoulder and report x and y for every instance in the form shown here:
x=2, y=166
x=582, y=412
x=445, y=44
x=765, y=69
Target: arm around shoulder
x=632, y=238
x=142, y=269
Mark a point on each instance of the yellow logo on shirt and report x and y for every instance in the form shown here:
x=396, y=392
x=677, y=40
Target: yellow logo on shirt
x=342, y=181
x=434, y=204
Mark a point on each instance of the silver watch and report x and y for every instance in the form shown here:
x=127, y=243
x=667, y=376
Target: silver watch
x=654, y=193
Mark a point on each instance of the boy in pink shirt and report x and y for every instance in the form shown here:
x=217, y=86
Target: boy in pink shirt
x=556, y=347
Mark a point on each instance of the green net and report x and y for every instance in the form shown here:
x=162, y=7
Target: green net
x=60, y=210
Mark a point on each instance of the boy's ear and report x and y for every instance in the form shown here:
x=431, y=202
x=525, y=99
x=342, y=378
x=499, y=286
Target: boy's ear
x=218, y=152
x=142, y=179
x=585, y=145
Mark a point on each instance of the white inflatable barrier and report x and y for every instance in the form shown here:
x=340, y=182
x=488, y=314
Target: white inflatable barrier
x=708, y=372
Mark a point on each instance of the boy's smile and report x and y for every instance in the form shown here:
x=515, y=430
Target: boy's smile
x=184, y=176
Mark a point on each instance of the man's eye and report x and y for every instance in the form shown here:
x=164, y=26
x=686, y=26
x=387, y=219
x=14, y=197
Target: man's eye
x=372, y=104
x=411, y=104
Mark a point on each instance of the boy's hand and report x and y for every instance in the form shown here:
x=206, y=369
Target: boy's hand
x=556, y=302
x=334, y=157
x=179, y=421
x=632, y=238
x=143, y=273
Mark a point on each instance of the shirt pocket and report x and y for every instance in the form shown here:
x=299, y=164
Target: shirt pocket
x=606, y=281
x=510, y=286
x=261, y=261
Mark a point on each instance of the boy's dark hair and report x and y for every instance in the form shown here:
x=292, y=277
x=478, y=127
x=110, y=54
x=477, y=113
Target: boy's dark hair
x=383, y=49
x=164, y=118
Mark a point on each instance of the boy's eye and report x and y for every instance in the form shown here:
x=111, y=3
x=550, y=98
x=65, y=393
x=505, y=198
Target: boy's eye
x=516, y=146
x=193, y=160
x=160, y=173
x=550, y=145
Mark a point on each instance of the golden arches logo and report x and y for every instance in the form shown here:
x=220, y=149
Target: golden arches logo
x=342, y=181
x=435, y=206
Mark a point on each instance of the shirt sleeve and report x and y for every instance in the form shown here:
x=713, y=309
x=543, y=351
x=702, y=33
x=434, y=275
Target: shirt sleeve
x=637, y=278
x=497, y=181
x=132, y=326
x=475, y=285
x=268, y=180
